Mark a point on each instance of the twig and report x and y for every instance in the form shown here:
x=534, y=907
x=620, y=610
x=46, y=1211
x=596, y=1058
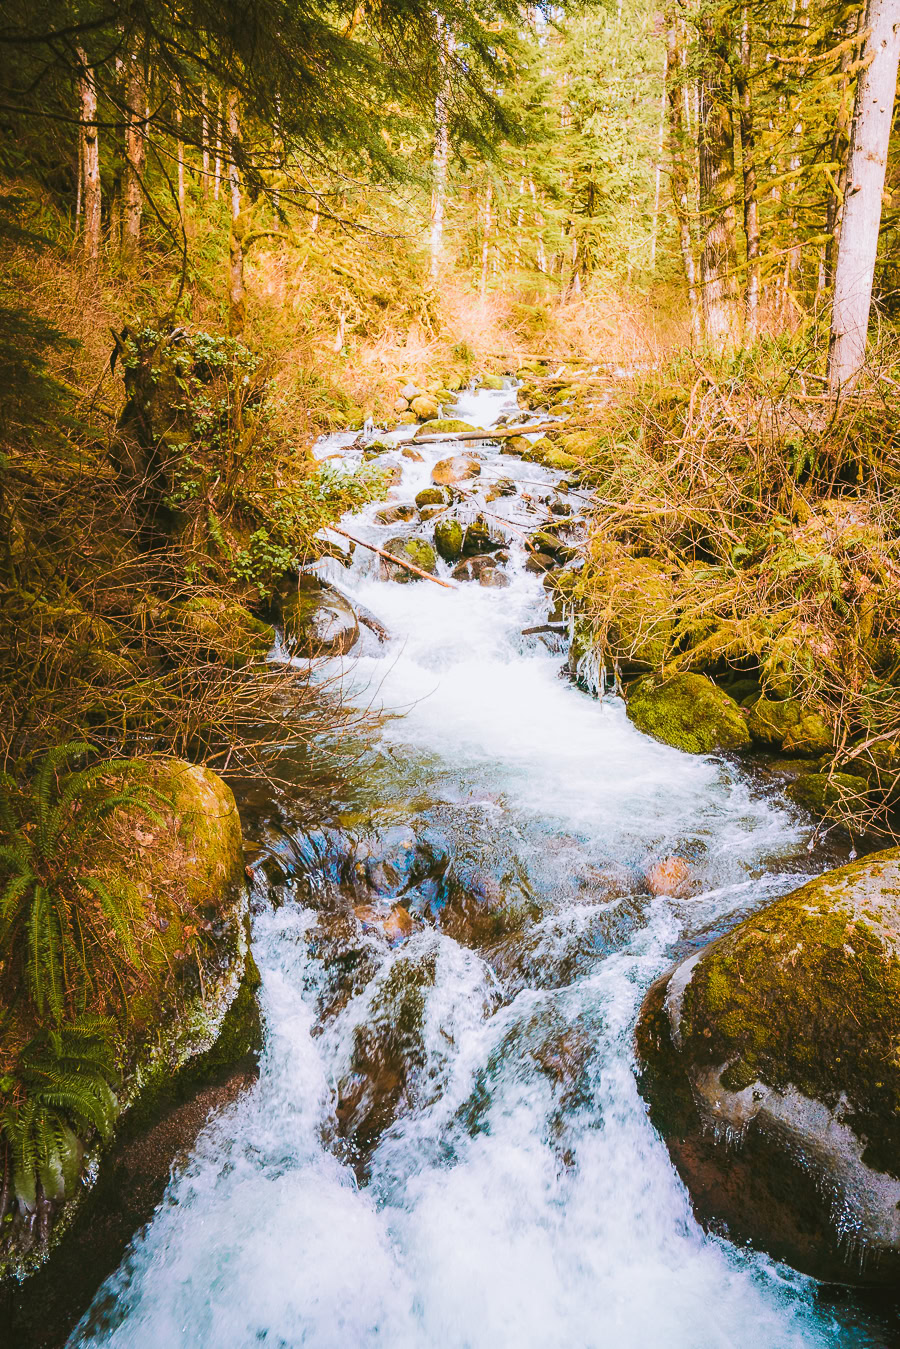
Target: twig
x=391, y=558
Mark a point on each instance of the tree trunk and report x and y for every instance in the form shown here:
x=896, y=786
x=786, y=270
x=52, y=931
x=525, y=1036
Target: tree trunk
x=440, y=158
x=204, y=137
x=840, y=146
x=90, y=157
x=236, y=293
x=869, y=138
x=486, y=234
x=678, y=137
x=135, y=130
x=179, y=148
x=748, y=164
x=718, y=255
x=220, y=132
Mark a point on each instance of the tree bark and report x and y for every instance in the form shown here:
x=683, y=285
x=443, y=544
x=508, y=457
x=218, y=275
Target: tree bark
x=869, y=139
x=135, y=131
x=219, y=133
x=179, y=148
x=678, y=137
x=486, y=234
x=840, y=146
x=748, y=164
x=237, y=299
x=90, y=157
x=718, y=255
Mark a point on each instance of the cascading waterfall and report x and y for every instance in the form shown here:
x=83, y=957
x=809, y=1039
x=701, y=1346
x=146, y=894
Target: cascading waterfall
x=446, y=1146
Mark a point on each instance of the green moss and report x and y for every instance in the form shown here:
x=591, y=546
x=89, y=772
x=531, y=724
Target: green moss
x=829, y=794
x=493, y=382
x=807, y=992
x=448, y=539
x=689, y=712
x=791, y=725
x=446, y=426
x=227, y=630
x=433, y=496
x=419, y=552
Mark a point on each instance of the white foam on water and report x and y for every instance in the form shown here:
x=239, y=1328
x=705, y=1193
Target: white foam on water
x=502, y=1212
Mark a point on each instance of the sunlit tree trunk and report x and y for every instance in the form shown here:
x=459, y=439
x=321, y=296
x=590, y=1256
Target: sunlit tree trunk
x=204, y=138
x=718, y=255
x=869, y=139
x=748, y=166
x=679, y=136
x=179, y=148
x=237, y=300
x=840, y=146
x=657, y=185
x=486, y=233
x=135, y=131
x=440, y=157
x=220, y=131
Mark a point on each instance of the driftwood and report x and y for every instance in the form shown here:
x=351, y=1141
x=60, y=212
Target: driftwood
x=498, y=433
x=417, y=571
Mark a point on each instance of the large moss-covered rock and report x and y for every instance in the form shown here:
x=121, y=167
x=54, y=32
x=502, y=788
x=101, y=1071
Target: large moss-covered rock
x=632, y=601
x=771, y=1067
x=424, y=406
x=448, y=539
x=445, y=426
x=433, y=496
x=417, y=551
x=185, y=877
x=831, y=795
x=318, y=620
x=689, y=712
x=791, y=725
x=224, y=630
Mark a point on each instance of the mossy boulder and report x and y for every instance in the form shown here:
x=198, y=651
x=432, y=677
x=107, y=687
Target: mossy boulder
x=433, y=496
x=424, y=406
x=418, y=551
x=318, y=620
x=830, y=795
x=224, y=630
x=559, y=460
x=446, y=426
x=185, y=877
x=478, y=538
x=399, y=514
x=792, y=726
x=770, y=1065
x=493, y=382
x=689, y=712
x=633, y=600
x=448, y=539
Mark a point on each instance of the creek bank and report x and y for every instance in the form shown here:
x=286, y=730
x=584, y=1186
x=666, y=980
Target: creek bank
x=769, y=1065
x=191, y=1011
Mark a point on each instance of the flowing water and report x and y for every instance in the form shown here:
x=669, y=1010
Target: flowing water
x=446, y=1146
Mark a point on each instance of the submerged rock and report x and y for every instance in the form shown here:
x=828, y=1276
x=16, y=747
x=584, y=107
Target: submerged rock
x=672, y=876
x=689, y=712
x=769, y=1062
x=318, y=621
x=446, y=472
x=395, y=515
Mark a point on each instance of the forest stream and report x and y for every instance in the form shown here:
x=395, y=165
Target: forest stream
x=446, y=1145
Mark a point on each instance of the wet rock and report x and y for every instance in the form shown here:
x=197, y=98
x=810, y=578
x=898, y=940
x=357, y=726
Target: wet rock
x=446, y=426
x=396, y=862
x=559, y=460
x=401, y=405
x=413, y=455
x=672, y=876
x=433, y=496
x=515, y=445
x=224, y=630
x=689, y=712
x=540, y=562
x=484, y=570
x=546, y=541
x=448, y=539
x=411, y=391
x=418, y=551
x=424, y=406
x=829, y=795
x=478, y=538
x=503, y=487
x=770, y=1067
x=492, y=382
x=456, y=469
x=407, y=419
x=478, y=908
x=318, y=621
x=394, y=924
x=395, y=515
x=640, y=595
x=791, y=725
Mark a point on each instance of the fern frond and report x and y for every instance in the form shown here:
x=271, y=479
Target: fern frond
x=43, y=783
x=9, y=823
x=15, y=855
x=79, y=784
x=113, y=914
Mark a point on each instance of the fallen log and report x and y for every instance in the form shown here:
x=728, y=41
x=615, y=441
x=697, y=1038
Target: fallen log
x=498, y=433
x=417, y=571
x=545, y=627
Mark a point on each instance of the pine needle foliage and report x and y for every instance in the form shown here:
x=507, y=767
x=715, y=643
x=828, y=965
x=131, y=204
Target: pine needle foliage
x=63, y=929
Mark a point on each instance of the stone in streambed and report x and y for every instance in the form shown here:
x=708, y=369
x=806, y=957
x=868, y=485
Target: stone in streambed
x=448, y=539
x=394, y=924
x=394, y=515
x=317, y=620
x=689, y=712
x=484, y=570
x=424, y=407
x=478, y=539
x=492, y=382
x=830, y=795
x=446, y=426
x=417, y=551
x=433, y=496
x=407, y=419
x=540, y=562
x=672, y=876
x=446, y=472
x=769, y=1062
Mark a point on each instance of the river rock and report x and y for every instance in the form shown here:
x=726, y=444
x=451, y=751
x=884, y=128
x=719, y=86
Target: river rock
x=672, y=876
x=433, y=496
x=493, y=382
x=689, y=712
x=396, y=515
x=790, y=725
x=318, y=621
x=456, y=469
x=414, y=455
x=769, y=1062
x=394, y=923
x=401, y=404
x=540, y=562
x=407, y=419
x=478, y=539
x=484, y=570
x=446, y=426
x=424, y=406
x=418, y=551
x=448, y=539
x=830, y=795
x=411, y=391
